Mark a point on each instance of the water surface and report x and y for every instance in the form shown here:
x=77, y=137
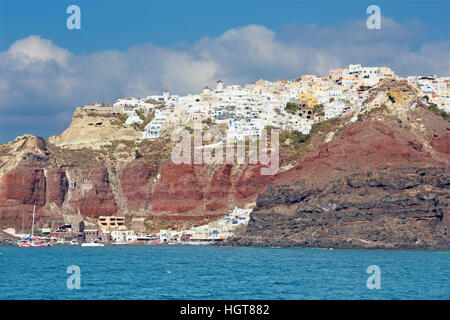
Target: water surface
x=204, y=272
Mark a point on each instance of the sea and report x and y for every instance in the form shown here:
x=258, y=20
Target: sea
x=212, y=272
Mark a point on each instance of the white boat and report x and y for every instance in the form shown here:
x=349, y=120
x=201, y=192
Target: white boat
x=92, y=244
x=32, y=241
x=74, y=242
x=120, y=243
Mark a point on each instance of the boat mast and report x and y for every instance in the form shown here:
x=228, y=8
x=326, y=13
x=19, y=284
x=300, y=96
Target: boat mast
x=23, y=218
x=32, y=226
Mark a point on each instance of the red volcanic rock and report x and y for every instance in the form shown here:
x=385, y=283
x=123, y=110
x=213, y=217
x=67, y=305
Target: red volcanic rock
x=183, y=188
x=251, y=182
x=135, y=182
x=364, y=146
x=374, y=186
x=215, y=204
x=93, y=196
x=441, y=143
x=178, y=189
x=24, y=186
x=57, y=186
x=219, y=186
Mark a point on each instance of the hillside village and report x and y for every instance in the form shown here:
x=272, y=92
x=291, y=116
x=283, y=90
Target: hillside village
x=116, y=230
x=286, y=104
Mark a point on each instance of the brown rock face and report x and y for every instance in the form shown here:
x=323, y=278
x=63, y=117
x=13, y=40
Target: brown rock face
x=136, y=182
x=179, y=188
x=381, y=183
x=172, y=192
x=185, y=188
x=92, y=196
x=441, y=143
x=57, y=186
x=251, y=183
x=369, y=188
x=25, y=187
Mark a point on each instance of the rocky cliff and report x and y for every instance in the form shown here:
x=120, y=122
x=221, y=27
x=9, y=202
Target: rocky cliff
x=380, y=182
x=74, y=184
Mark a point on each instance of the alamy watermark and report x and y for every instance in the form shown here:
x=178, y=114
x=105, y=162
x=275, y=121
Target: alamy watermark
x=374, y=280
x=374, y=20
x=74, y=20
x=74, y=280
x=213, y=152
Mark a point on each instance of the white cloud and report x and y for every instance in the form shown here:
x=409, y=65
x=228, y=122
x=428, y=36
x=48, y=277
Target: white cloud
x=35, y=49
x=41, y=79
x=180, y=70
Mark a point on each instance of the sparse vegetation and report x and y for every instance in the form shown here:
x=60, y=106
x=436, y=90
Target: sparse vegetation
x=145, y=118
x=291, y=107
x=382, y=109
x=293, y=137
x=360, y=117
x=112, y=147
x=319, y=110
x=123, y=117
x=434, y=108
x=323, y=125
x=140, y=114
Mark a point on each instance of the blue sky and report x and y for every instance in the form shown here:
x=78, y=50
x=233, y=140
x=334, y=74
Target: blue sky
x=121, y=24
x=143, y=47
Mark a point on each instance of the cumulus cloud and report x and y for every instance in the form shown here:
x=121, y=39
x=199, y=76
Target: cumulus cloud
x=34, y=49
x=40, y=80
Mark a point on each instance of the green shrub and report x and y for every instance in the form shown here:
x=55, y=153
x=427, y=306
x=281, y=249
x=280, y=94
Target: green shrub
x=295, y=137
x=434, y=108
x=319, y=110
x=145, y=118
x=123, y=117
x=291, y=107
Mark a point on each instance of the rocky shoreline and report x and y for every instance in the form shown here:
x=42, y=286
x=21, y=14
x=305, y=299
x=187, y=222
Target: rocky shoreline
x=399, y=201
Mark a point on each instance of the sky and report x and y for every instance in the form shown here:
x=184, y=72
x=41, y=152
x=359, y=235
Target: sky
x=139, y=48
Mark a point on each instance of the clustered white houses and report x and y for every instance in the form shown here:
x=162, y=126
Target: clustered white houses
x=436, y=89
x=247, y=110
x=153, y=128
x=214, y=231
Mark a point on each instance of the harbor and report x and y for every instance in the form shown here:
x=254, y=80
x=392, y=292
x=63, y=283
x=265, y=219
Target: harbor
x=114, y=230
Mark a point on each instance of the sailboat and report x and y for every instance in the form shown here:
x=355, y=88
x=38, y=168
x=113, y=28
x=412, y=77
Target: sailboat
x=32, y=241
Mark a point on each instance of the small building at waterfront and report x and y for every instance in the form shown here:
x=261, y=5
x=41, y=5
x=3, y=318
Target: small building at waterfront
x=112, y=223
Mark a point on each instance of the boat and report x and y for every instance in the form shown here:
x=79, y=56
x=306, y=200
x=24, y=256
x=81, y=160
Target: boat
x=92, y=244
x=74, y=242
x=120, y=242
x=32, y=241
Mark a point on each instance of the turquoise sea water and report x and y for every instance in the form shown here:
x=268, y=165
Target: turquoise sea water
x=204, y=272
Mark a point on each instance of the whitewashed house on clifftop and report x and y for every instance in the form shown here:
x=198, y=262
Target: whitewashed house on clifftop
x=153, y=128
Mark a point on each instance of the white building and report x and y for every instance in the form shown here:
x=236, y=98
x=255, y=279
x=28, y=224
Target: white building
x=153, y=128
x=133, y=118
x=219, y=87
